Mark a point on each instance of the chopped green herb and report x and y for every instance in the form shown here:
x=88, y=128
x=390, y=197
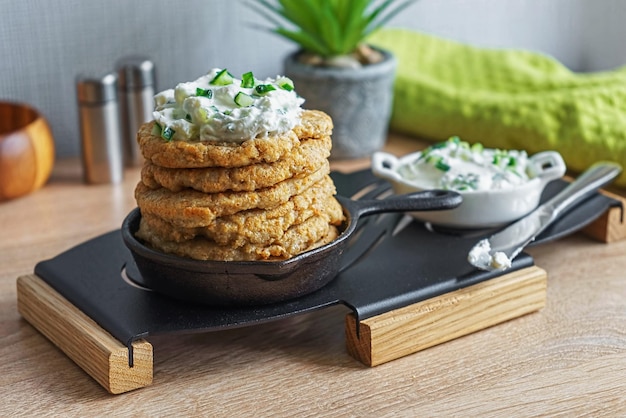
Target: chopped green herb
x=247, y=80
x=243, y=100
x=167, y=133
x=262, y=89
x=440, y=165
x=204, y=92
x=223, y=78
x=467, y=181
x=438, y=145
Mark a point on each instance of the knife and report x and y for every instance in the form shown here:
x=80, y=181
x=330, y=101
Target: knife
x=498, y=251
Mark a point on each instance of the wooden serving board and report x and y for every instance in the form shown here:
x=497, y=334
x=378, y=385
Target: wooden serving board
x=92, y=348
x=373, y=340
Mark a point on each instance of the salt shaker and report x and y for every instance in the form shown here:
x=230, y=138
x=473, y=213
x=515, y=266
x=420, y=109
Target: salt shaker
x=136, y=93
x=100, y=128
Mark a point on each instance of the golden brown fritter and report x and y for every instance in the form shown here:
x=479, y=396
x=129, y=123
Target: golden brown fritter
x=197, y=154
x=304, y=159
x=191, y=208
x=314, y=124
x=258, y=226
x=313, y=232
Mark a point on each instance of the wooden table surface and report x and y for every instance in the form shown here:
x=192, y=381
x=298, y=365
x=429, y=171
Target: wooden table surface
x=569, y=359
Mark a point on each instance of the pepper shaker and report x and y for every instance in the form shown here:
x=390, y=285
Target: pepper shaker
x=100, y=128
x=136, y=76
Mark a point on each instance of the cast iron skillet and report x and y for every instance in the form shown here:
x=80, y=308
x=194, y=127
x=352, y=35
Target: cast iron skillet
x=247, y=283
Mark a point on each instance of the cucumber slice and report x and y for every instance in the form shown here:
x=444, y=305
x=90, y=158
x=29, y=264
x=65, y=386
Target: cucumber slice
x=247, y=80
x=243, y=100
x=285, y=83
x=156, y=129
x=223, y=78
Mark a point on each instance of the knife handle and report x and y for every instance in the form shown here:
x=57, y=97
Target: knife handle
x=587, y=183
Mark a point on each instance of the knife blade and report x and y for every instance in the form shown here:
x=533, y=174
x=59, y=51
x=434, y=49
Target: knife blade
x=498, y=251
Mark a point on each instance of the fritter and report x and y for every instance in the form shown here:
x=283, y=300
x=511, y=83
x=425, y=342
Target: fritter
x=313, y=232
x=258, y=226
x=191, y=208
x=314, y=124
x=304, y=159
x=198, y=154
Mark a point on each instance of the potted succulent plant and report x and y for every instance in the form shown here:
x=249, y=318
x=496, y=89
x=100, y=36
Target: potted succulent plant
x=335, y=70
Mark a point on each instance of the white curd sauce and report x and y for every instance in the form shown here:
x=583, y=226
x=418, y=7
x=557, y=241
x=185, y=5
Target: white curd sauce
x=482, y=256
x=455, y=165
x=220, y=107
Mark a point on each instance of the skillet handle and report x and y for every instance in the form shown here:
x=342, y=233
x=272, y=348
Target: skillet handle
x=418, y=201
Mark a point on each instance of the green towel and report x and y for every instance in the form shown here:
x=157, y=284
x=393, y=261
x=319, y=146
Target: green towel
x=503, y=98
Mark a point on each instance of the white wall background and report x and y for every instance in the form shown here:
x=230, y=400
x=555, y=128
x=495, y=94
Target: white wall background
x=44, y=44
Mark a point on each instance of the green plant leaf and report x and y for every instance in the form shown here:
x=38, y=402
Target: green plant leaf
x=379, y=18
x=355, y=24
x=328, y=27
x=300, y=14
x=331, y=31
x=317, y=11
x=304, y=40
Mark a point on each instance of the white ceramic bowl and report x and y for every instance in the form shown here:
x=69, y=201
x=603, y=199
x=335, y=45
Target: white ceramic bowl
x=480, y=209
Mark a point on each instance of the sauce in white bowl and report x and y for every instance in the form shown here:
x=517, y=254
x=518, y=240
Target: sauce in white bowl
x=498, y=186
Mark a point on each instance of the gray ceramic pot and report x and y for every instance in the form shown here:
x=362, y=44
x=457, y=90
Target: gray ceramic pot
x=358, y=100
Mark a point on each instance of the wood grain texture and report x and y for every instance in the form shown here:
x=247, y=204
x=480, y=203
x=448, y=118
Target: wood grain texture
x=407, y=330
x=99, y=354
x=611, y=225
x=26, y=150
x=567, y=359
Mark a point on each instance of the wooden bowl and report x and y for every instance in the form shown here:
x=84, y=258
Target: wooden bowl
x=26, y=150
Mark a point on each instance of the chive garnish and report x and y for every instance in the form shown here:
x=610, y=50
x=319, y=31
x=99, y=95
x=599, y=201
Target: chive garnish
x=262, y=89
x=204, y=92
x=167, y=133
x=440, y=165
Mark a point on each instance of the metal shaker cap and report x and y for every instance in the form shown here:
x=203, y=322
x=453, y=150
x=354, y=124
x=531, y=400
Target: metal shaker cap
x=91, y=90
x=135, y=72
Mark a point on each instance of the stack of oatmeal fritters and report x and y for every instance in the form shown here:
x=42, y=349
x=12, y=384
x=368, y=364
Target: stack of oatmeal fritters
x=268, y=198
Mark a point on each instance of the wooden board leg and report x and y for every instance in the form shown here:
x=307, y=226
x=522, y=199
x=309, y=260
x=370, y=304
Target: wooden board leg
x=610, y=226
x=408, y=330
x=99, y=354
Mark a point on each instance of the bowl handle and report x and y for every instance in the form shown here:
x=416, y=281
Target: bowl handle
x=548, y=166
x=384, y=166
